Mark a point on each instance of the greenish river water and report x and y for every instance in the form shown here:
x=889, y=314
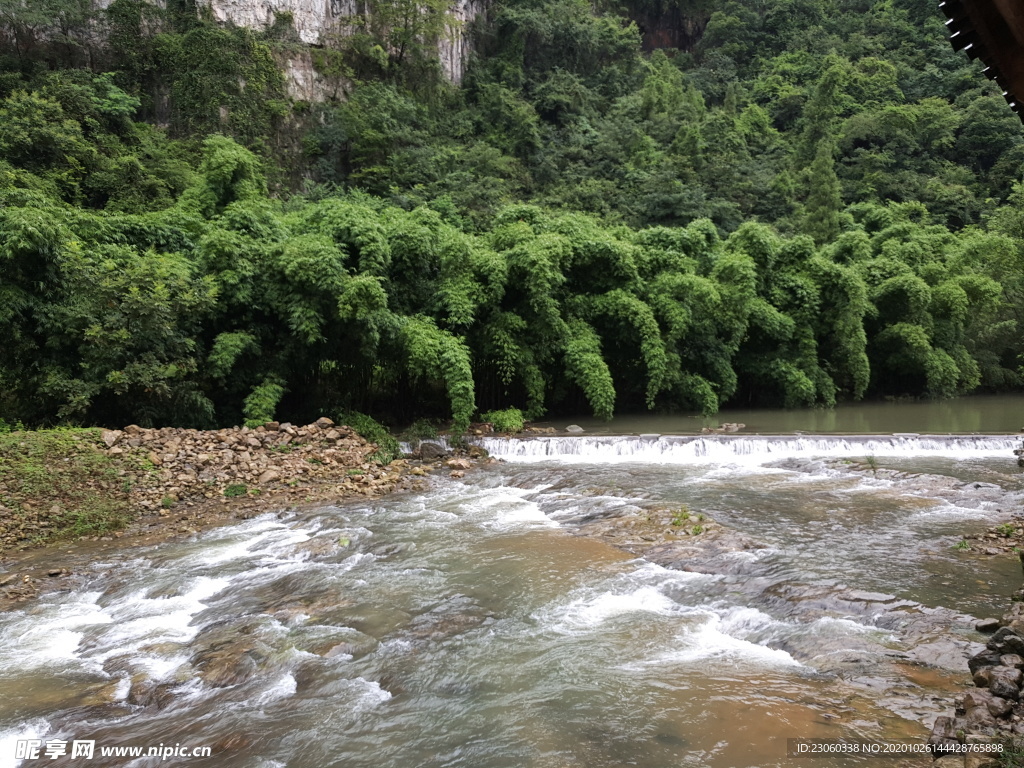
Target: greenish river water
x=995, y=414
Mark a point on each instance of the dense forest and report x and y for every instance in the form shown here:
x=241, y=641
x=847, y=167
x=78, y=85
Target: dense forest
x=803, y=202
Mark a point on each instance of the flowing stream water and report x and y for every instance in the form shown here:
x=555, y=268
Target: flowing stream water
x=468, y=625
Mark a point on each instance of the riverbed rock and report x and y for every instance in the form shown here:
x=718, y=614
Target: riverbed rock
x=976, y=719
x=431, y=451
x=987, y=658
x=987, y=625
x=999, y=707
x=1005, y=682
x=1017, y=625
x=102, y=695
x=1000, y=636
x=1007, y=639
x=979, y=697
x=942, y=733
x=141, y=691
x=268, y=476
x=949, y=761
x=574, y=429
x=226, y=667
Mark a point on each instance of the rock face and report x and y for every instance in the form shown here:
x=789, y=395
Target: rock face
x=454, y=50
x=319, y=22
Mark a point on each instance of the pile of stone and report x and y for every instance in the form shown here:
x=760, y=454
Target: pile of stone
x=992, y=713
x=166, y=465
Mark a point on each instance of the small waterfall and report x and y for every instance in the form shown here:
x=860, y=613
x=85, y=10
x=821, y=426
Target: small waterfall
x=665, y=449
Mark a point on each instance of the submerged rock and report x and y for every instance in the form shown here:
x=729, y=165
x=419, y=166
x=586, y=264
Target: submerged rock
x=229, y=652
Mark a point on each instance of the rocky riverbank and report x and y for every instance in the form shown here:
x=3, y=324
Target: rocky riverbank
x=998, y=539
x=993, y=712
x=90, y=489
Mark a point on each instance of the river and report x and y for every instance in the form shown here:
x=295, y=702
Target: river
x=468, y=625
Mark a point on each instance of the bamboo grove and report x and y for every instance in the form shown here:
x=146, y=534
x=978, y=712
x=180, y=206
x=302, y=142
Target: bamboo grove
x=229, y=305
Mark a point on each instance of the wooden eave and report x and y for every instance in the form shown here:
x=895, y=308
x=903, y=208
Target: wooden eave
x=993, y=32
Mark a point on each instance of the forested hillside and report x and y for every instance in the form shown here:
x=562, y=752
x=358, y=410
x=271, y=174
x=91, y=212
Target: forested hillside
x=807, y=201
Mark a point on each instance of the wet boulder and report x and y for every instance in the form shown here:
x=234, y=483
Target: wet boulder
x=987, y=658
x=976, y=698
x=1006, y=639
x=225, y=666
x=996, y=641
x=976, y=720
x=983, y=677
x=228, y=653
x=431, y=451
x=942, y=735
x=999, y=707
x=1005, y=682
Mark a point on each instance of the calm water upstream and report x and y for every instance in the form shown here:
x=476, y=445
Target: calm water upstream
x=995, y=414
x=469, y=626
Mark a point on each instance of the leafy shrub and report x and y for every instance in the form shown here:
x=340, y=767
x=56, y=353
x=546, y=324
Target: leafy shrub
x=418, y=431
x=373, y=432
x=508, y=420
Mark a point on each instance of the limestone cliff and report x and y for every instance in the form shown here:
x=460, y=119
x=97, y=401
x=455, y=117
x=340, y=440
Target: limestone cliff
x=321, y=22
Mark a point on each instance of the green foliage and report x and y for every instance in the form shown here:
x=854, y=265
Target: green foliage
x=680, y=517
x=587, y=368
x=436, y=355
x=421, y=429
x=808, y=205
x=373, y=432
x=258, y=407
x=234, y=491
x=823, y=203
x=508, y=420
x=68, y=471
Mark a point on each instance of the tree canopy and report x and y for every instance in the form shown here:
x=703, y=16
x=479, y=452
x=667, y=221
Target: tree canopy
x=815, y=202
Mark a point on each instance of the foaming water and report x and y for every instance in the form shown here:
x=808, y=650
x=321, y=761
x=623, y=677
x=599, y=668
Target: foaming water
x=469, y=625
x=753, y=451
x=721, y=638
